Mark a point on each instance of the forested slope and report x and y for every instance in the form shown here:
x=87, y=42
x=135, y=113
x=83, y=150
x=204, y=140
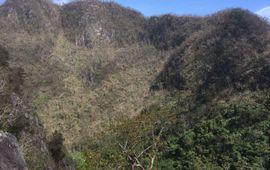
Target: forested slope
x=165, y=92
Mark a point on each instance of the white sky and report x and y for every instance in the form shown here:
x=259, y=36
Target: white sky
x=265, y=12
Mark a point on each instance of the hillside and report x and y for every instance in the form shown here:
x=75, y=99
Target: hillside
x=229, y=52
x=74, y=86
x=216, y=112
x=118, y=89
x=31, y=16
x=26, y=126
x=95, y=23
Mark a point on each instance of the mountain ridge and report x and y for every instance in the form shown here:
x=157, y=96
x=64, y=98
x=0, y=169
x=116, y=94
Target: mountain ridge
x=98, y=73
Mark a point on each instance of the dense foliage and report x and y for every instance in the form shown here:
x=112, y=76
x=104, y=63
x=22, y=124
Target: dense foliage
x=231, y=134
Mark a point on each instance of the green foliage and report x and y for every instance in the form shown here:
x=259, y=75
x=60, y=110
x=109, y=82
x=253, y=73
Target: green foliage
x=224, y=135
x=81, y=160
x=232, y=136
x=129, y=138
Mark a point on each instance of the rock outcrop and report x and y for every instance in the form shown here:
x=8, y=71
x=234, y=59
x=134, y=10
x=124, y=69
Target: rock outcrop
x=10, y=153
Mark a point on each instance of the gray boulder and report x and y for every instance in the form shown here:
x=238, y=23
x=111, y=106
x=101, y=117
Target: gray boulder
x=10, y=153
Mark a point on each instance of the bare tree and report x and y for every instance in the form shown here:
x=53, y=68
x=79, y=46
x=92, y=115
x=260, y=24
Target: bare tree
x=134, y=159
x=2, y=85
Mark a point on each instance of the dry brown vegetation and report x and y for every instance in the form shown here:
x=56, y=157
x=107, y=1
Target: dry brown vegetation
x=88, y=64
x=229, y=52
x=92, y=69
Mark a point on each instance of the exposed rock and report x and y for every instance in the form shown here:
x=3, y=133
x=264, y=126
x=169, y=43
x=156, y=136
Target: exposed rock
x=32, y=137
x=10, y=153
x=31, y=16
x=96, y=23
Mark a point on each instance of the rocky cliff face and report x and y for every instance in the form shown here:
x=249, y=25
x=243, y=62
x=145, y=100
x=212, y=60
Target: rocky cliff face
x=95, y=23
x=30, y=16
x=26, y=126
x=10, y=153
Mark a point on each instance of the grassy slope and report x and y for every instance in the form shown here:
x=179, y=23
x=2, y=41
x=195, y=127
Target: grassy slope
x=75, y=89
x=120, y=86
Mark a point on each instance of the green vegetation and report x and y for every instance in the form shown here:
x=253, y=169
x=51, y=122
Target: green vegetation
x=216, y=115
x=232, y=135
x=218, y=135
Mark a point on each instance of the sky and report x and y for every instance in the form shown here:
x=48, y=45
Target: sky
x=190, y=7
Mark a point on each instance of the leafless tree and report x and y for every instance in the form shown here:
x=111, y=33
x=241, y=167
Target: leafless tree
x=2, y=85
x=134, y=159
